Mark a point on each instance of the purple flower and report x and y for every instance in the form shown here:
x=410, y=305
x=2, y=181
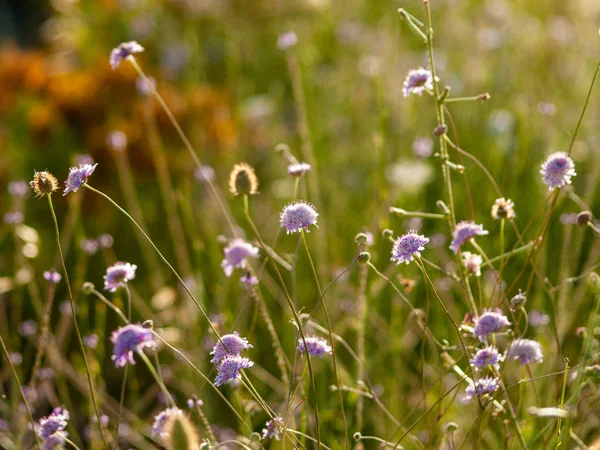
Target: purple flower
x=89, y=246
x=118, y=275
x=117, y=141
x=298, y=169
x=557, y=170
x=465, y=231
x=487, y=356
x=28, y=328
x=472, y=263
x=298, y=216
x=408, y=246
x=236, y=254
x=56, y=422
x=230, y=367
x=19, y=189
x=248, y=279
x=145, y=86
x=124, y=51
x=526, y=351
x=229, y=345
x=78, y=176
x=423, y=147
x=161, y=418
x=418, y=81
x=13, y=217
x=273, y=429
x=491, y=321
x=91, y=340
x=52, y=276
x=53, y=441
x=482, y=386
x=287, y=40
x=105, y=240
x=204, y=174
x=83, y=159
x=193, y=402
x=128, y=339
x=317, y=346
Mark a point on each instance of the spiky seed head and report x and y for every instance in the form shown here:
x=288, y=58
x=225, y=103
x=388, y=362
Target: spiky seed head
x=180, y=433
x=243, y=180
x=43, y=183
x=503, y=209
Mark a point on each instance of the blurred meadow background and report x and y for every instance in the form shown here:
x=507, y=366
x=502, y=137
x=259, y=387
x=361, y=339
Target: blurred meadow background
x=243, y=90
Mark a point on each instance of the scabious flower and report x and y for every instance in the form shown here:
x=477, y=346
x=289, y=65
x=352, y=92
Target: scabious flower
x=557, y=170
x=236, y=255
x=116, y=140
x=229, y=369
x=273, y=428
x=482, y=386
x=465, y=231
x=52, y=276
x=28, y=328
x=248, y=279
x=128, y=339
x=229, y=344
x=91, y=340
x=89, y=246
x=287, y=40
x=298, y=216
x=78, y=176
x=407, y=246
x=13, y=217
x=488, y=356
x=418, y=81
x=472, y=263
x=298, y=169
x=118, y=275
x=317, y=346
x=503, y=209
x=161, y=418
x=48, y=426
x=124, y=51
x=18, y=189
x=526, y=351
x=204, y=174
x=491, y=321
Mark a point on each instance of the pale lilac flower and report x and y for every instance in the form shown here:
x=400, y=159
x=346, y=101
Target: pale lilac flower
x=56, y=422
x=105, y=240
x=472, y=262
x=161, y=418
x=193, y=402
x=52, y=276
x=287, y=40
x=298, y=169
x=417, y=81
x=28, y=328
x=557, y=170
x=204, y=174
x=491, y=321
x=317, y=346
x=91, y=340
x=78, y=176
x=236, y=255
x=124, y=51
x=465, y=231
x=89, y=246
x=145, y=86
x=298, y=216
x=488, y=356
x=83, y=159
x=229, y=369
x=229, y=345
x=407, y=246
x=13, y=217
x=16, y=358
x=46, y=373
x=526, y=351
x=19, y=189
x=273, y=429
x=116, y=140
x=118, y=275
x=423, y=147
x=482, y=386
x=248, y=279
x=128, y=339
x=538, y=318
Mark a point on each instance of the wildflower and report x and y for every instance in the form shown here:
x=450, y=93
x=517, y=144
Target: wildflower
x=46, y=373
x=16, y=358
x=518, y=300
x=248, y=279
x=236, y=255
x=229, y=345
x=557, y=170
x=482, y=386
x=298, y=169
x=89, y=246
x=117, y=141
x=418, y=81
x=298, y=216
x=465, y=231
x=472, y=263
x=422, y=147
x=503, y=209
x=287, y=40
x=28, y=328
x=43, y=183
x=18, y=188
x=273, y=428
x=526, y=351
x=317, y=346
x=204, y=174
x=487, y=356
x=78, y=176
x=243, y=180
x=13, y=218
x=408, y=246
x=91, y=340
x=52, y=276
x=491, y=321
x=161, y=418
x=145, y=86
x=229, y=368
x=105, y=240
x=130, y=338
x=193, y=402
x=56, y=422
x=118, y=275
x=124, y=51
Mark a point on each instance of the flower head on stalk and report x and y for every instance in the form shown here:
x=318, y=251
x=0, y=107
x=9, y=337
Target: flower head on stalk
x=124, y=51
x=128, y=339
x=78, y=177
x=407, y=246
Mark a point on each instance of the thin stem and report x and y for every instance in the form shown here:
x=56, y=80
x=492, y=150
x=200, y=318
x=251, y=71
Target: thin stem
x=401, y=212
x=76, y=325
x=156, y=376
x=205, y=422
x=124, y=382
x=475, y=98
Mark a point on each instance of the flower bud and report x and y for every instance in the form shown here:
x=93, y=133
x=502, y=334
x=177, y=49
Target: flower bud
x=583, y=218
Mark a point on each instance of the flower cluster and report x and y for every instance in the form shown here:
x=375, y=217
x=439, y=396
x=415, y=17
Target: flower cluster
x=418, y=81
x=298, y=216
x=526, y=351
x=227, y=359
x=51, y=429
x=491, y=321
x=408, y=246
x=464, y=232
x=482, y=386
x=230, y=344
x=557, y=170
x=273, y=429
x=78, y=176
x=128, y=339
x=487, y=357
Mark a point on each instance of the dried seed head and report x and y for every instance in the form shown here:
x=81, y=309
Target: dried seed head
x=518, y=300
x=583, y=218
x=503, y=209
x=43, y=183
x=243, y=180
x=180, y=433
